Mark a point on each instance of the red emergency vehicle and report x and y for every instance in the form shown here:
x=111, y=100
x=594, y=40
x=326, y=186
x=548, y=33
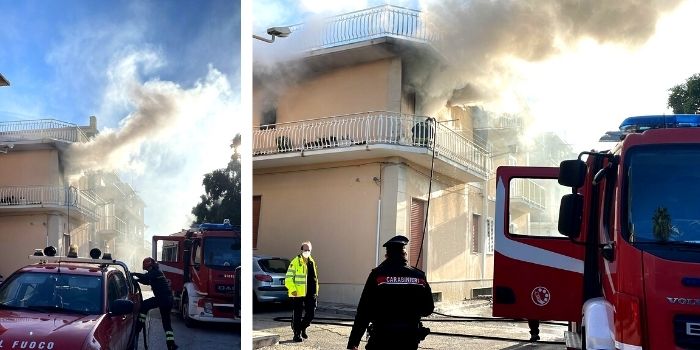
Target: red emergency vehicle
x=204, y=268
x=625, y=271
x=69, y=303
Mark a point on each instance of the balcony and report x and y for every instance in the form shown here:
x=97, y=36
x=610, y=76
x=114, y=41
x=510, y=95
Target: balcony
x=370, y=34
x=109, y=227
x=38, y=199
x=370, y=135
x=527, y=196
x=364, y=25
x=42, y=129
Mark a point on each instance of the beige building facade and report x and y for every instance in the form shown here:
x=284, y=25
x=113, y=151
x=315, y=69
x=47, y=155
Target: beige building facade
x=39, y=205
x=342, y=159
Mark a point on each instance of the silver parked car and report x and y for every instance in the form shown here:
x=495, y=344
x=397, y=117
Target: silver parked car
x=268, y=279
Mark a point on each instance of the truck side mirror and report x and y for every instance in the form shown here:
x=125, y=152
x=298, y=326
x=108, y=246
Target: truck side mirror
x=121, y=307
x=572, y=173
x=570, y=213
x=187, y=244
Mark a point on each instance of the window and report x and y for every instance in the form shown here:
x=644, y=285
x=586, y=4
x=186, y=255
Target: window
x=490, y=233
x=122, y=288
x=80, y=293
x=416, y=252
x=116, y=287
x=168, y=251
x=662, y=194
x=222, y=252
x=274, y=265
x=475, y=233
x=197, y=253
x=533, y=207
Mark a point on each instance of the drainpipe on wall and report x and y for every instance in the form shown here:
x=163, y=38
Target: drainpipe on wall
x=379, y=222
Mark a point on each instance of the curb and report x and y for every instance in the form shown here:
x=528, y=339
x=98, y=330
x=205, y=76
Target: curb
x=346, y=310
x=263, y=339
x=473, y=304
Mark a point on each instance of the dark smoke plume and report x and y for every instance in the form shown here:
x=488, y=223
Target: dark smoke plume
x=476, y=36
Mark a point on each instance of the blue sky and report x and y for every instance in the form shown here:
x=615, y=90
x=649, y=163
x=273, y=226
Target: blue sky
x=56, y=53
x=70, y=59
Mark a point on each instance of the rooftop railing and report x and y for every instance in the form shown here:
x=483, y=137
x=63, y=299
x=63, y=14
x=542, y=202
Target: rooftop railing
x=28, y=130
x=69, y=197
x=363, y=25
x=371, y=128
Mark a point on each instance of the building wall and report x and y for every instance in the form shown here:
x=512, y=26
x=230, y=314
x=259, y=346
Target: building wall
x=452, y=269
x=30, y=168
x=19, y=236
x=373, y=86
x=335, y=207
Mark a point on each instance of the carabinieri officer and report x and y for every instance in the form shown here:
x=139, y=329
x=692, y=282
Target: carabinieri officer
x=394, y=299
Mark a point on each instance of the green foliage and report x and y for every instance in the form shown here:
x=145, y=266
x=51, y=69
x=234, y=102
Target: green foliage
x=222, y=187
x=662, y=226
x=685, y=98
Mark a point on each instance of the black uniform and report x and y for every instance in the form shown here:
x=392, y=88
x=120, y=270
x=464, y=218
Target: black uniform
x=394, y=299
x=162, y=299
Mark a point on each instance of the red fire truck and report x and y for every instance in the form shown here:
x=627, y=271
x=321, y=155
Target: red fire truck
x=625, y=271
x=203, y=267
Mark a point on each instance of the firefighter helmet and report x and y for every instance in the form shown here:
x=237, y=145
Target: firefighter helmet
x=148, y=262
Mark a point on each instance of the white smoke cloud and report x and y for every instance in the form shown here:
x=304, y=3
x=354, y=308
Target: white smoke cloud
x=170, y=139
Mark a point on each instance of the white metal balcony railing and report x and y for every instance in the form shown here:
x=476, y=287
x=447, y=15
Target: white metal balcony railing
x=41, y=129
x=363, y=25
x=111, y=223
x=370, y=128
x=69, y=197
x=528, y=191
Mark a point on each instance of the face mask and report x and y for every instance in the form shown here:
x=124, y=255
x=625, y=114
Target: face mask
x=306, y=254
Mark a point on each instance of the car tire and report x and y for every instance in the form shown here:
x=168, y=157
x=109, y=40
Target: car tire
x=256, y=303
x=184, y=304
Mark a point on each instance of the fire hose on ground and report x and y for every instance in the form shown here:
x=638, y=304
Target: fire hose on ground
x=446, y=318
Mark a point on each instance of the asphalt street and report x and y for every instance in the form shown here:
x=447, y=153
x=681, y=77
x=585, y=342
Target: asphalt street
x=209, y=336
x=333, y=336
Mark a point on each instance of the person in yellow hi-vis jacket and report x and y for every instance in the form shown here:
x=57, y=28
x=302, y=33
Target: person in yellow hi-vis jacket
x=302, y=286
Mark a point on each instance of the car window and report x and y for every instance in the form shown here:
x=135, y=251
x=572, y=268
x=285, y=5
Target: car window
x=112, y=289
x=274, y=265
x=122, y=289
x=32, y=290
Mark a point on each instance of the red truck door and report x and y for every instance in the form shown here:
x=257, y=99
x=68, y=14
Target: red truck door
x=538, y=273
x=167, y=250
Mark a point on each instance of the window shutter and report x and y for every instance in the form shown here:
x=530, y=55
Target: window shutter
x=417, y=221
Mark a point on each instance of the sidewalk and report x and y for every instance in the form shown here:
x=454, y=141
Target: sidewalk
x=473, y=307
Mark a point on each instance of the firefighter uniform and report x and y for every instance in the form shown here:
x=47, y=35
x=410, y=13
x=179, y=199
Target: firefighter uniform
x=394, y=299
x=302, y=279
x=162, y=299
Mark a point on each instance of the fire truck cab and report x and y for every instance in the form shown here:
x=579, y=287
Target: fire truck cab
x=203, y=267
x=624, y=266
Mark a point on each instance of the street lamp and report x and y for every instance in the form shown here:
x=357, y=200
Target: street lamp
x=281, y=32
x=3, y=81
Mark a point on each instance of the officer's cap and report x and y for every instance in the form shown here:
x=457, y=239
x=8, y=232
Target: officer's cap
x=396, y=242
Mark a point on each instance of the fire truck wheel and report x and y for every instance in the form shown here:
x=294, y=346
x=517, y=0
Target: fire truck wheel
x=184, y=312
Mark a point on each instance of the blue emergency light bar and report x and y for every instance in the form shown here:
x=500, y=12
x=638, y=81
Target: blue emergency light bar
x=642, y=123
